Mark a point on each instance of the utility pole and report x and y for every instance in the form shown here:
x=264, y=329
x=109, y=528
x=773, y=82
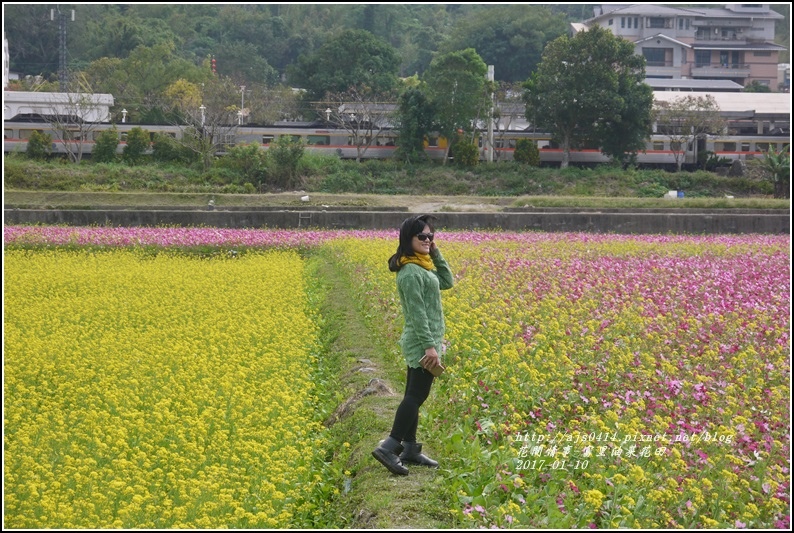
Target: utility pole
x=490, y=117
x=242, y=103
x=63, y=74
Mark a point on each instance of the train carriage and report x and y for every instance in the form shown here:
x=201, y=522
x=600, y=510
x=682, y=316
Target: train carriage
x=756, y=124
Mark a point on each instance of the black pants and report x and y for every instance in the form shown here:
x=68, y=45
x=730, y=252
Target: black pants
x=417, y=388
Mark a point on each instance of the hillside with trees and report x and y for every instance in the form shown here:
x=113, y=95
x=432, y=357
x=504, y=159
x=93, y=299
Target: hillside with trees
x=258, y=42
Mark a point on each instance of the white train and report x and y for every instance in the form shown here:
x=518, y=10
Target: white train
x=341, y=143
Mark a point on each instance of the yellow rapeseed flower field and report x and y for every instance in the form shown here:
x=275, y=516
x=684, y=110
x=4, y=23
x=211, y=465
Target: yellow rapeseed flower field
x=157, y=391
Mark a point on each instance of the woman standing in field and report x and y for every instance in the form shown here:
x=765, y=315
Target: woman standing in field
x=421, y=274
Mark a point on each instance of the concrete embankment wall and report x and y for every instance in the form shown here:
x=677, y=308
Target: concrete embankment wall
x=635, y=221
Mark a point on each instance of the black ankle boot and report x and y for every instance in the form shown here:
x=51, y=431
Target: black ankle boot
x=413, y=454
x=387, y=453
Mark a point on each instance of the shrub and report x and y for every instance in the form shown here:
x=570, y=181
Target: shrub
x=248, y=161
x=39, y=145
x=527, y=152
x=166, y=149
x=285, y=155
x=465, y=154
x=312, y=164
x=344, y=180
x=137, y=144
x=105, y=146
x=776, y=167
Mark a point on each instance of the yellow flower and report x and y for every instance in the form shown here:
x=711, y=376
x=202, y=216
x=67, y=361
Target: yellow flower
x=636, y=473
x=594, y=498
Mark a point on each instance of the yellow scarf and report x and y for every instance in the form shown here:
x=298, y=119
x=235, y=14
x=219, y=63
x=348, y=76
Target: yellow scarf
x=423, y=260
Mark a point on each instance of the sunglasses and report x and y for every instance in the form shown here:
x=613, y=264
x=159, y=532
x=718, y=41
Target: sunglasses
x=425, y=236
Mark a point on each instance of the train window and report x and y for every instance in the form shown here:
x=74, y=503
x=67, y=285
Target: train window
x=761, y=147
x=745, y=147
x=364, y=140
x=725, y=147
x=360, y=141
x=504, y=143
x=658, y=145
x=432, y=141
x=25, y=134
x=385, y=141
x=267, y=139
x=8, y=134
x=229, y=140
x=318, y=140
x=676, y=146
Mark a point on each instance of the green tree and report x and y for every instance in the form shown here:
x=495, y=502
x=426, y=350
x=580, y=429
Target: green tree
x=136, y=147
x=415, y=115
x=586, y=88
x=266, y=105
x=105, y=146
x=353, y=59
x=621, y=135
x=207, y=117
x=39, y=145
x=139, y=82
x=32, y=37
x=510, y=37
x=456, y=87
x=285, y=155
x=243, y=63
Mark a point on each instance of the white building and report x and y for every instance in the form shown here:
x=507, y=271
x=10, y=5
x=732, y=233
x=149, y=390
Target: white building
x=731, y=42
x=21, y=106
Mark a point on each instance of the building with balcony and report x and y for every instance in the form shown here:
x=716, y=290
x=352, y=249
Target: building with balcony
x=733, y=43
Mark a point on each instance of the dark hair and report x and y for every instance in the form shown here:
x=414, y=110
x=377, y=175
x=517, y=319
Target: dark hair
x=410, y=227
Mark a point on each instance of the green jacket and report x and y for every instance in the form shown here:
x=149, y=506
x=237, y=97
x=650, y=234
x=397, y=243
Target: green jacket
x=420, y=296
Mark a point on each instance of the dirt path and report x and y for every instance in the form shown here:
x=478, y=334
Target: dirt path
x=372, y=378
x=414, y=204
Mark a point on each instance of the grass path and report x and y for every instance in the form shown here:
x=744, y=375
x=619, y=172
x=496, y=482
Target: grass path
x=372, y=381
